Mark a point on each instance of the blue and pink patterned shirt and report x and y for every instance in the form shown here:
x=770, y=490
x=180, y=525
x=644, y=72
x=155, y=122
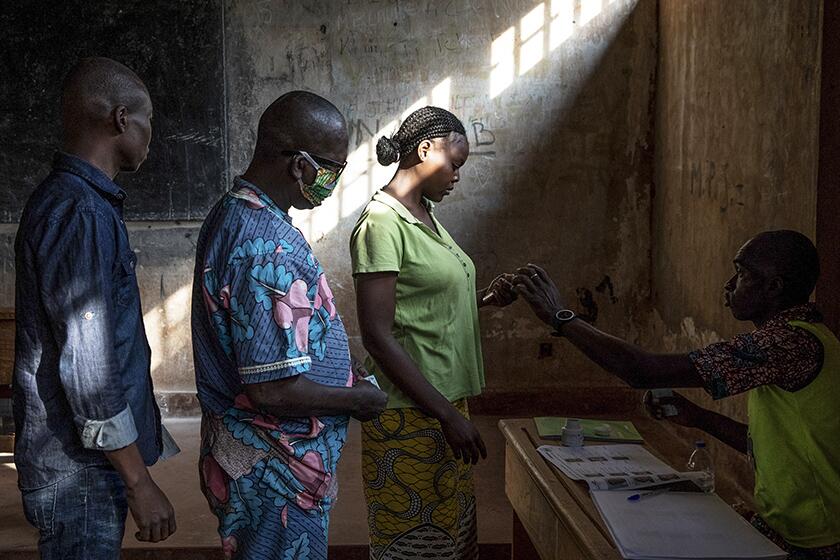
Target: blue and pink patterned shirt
x=261, y=311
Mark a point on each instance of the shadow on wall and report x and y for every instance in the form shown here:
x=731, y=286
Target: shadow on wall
x=560, y=177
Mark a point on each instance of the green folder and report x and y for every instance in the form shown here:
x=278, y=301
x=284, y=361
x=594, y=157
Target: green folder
x=550, y=427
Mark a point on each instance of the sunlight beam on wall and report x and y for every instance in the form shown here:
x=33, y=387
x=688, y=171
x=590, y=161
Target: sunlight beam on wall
x=531, y=50
x=562, y=22
x=529, y=39
x=502, y=62
x=163, y=320
x=441, y=94
x=588, y=10
x=353, y=191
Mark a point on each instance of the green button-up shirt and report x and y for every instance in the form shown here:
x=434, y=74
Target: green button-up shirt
x=436, y=317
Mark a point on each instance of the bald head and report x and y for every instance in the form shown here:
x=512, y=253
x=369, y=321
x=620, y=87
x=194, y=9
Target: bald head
x=95, y=86
x=300, y=120
x=789, y=255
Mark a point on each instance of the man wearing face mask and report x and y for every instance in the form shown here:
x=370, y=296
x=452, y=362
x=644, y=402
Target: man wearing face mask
x=272, y=362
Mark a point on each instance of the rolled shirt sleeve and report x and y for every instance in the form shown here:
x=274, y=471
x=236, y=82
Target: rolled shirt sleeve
x=111, y=434
x=77, y=262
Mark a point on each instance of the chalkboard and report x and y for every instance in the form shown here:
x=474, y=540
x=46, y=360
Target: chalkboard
x=177, y=48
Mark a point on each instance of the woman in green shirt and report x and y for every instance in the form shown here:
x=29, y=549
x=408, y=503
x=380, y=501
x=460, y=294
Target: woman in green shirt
x=418, y=313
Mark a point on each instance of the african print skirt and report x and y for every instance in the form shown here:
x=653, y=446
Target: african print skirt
x=420, y=498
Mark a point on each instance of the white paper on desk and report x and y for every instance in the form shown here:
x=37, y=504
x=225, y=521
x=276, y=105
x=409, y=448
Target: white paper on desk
x=607, y=467
x=678, y=525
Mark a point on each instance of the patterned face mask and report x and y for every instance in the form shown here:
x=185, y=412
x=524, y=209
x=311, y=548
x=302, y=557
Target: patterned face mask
x=325, y=179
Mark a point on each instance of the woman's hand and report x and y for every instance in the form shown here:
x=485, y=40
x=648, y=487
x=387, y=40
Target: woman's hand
x=536, y=287
x=463, y=437
x=499, y=293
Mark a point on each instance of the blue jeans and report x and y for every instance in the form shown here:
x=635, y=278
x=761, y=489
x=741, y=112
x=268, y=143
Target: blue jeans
x=80, y=517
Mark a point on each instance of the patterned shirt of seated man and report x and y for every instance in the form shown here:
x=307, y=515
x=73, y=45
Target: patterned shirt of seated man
x=783, y=354
x=263, y=311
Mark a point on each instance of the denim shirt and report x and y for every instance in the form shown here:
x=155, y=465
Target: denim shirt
x=82, y=381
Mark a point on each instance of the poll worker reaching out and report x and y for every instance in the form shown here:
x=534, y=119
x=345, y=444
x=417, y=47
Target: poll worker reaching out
x=789, y=365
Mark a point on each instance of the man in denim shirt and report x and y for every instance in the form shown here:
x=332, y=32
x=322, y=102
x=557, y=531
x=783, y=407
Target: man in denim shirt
x=86, y=419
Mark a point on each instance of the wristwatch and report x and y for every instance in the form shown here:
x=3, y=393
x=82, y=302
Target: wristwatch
x=561, y=318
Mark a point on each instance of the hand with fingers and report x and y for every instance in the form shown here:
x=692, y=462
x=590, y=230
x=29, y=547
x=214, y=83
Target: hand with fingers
x=370, y=401
x=536, y=287
x=151, y=510
x=464, y=439
x=500, y=292
x=688, y=413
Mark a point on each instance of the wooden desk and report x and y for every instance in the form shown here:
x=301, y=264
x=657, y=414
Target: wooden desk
x=554, y=517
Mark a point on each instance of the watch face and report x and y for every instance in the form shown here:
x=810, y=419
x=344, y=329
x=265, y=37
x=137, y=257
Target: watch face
x=565, y=315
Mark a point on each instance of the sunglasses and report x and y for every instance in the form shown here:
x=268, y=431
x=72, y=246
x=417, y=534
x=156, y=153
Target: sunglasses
x=327, y=171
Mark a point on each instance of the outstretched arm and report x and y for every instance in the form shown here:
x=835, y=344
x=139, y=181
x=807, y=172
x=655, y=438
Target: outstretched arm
x=634, y=365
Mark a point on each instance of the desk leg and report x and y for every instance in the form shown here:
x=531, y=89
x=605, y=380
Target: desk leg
x=522, y=548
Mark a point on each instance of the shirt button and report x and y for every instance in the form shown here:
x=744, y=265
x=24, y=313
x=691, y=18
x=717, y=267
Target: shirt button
x=88, y=315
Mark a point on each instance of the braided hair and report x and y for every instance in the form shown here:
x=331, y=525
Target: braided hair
x=423, y=124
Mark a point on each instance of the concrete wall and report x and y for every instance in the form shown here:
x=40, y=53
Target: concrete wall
x=737, y=104
x=557, y=105
x=557, y=99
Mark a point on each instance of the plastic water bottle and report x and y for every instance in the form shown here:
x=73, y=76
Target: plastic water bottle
x=572, y=433
x=701, y=462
